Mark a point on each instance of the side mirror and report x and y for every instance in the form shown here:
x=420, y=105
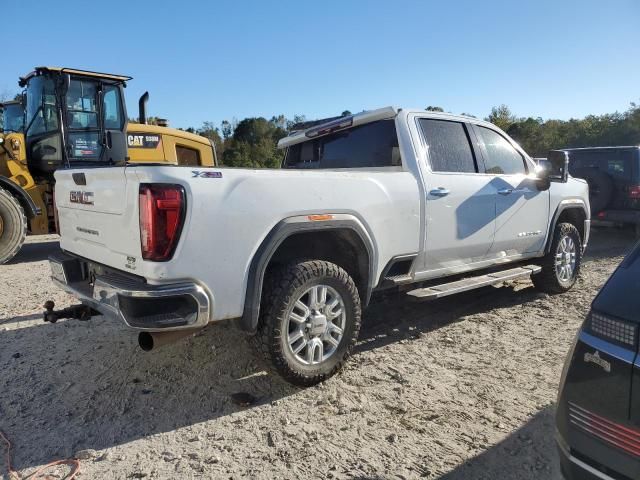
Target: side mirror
x=543, y=174
x=559, y=164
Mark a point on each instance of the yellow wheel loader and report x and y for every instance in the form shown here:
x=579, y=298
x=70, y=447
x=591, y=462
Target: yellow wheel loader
x=69, y=118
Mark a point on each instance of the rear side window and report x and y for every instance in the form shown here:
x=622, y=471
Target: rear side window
x=502, y=158
x=187, y=156
x=367, y=146
x=449, y=147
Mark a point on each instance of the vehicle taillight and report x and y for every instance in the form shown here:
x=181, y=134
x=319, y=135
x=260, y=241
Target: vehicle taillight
x=634, y=192
x=162, y=209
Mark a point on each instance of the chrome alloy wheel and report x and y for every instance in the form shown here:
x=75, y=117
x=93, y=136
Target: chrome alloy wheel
x=566, y=259
x=316, y=325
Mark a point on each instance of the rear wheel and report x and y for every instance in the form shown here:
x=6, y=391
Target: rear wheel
x=561, y=266
x=310, y=319
x=13, y=226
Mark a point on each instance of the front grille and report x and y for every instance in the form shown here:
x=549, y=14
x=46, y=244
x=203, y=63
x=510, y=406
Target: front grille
x=613, y=329
x=611, y=433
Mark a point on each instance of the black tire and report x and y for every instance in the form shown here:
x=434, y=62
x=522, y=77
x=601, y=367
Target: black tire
x=13, y=226
x=283, y=287
x=549, y=279
x=601, y=188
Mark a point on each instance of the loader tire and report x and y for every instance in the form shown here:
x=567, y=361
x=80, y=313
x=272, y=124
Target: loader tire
x=13, y=226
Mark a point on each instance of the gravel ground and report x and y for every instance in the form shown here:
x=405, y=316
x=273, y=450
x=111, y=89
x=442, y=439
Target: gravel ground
x=460, y=388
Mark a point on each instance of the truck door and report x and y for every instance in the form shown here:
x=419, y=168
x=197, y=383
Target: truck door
x=460, y=203
x=522, y=211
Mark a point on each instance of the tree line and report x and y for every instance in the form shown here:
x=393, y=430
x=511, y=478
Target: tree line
x=251, y=142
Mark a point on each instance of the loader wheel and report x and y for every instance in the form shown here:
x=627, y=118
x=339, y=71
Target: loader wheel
x=561, y=266
x=13, y=226
x=309, y=321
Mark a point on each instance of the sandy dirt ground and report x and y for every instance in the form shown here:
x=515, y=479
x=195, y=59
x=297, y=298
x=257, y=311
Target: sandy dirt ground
x=460, y=388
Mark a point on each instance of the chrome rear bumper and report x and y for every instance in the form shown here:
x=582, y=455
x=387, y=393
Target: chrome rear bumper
x=139, y=305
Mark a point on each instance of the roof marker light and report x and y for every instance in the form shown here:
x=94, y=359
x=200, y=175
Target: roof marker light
x=330, y=127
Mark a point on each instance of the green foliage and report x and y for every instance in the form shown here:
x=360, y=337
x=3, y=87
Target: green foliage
x=252, y=142
x=210, y=131
x=431, y=108
x=501, y=116
x=537, y=136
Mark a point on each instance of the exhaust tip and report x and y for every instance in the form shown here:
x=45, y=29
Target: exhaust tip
x=145, y=341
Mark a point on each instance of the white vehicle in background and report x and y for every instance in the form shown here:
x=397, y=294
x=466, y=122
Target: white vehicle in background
x=428, y=203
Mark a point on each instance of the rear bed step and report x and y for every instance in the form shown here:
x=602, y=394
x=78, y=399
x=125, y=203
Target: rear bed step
x=437, y=291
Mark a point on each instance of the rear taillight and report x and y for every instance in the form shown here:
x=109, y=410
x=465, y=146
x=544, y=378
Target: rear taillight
x=634, y=192
x=162, y=209
x=613, y=329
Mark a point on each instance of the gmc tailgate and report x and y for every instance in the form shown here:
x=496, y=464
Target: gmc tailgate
x=98, y=215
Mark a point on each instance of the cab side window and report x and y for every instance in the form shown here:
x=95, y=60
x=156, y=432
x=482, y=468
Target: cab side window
x=448, y=145
x=502, y=157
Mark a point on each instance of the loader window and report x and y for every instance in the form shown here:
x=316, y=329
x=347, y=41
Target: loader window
x=12, y=118
x=42, y=115
x=112, y=108
x=82, y=105
x=187, y=156
x=83, y=126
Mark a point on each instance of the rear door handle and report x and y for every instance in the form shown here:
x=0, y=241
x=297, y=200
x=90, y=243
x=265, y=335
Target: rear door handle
x=505, y=191
x=440, y=192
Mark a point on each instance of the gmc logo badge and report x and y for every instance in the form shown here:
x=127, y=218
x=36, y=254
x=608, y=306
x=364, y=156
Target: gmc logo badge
x=84, y=198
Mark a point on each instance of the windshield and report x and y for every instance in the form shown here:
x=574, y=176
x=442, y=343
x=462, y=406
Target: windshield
x=12, y=118
x=42, y=116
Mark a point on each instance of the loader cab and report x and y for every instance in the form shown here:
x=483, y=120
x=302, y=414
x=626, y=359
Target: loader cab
x=74, y=118
x=11, y=117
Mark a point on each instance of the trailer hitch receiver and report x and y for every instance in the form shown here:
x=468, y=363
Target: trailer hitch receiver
x=75, y=312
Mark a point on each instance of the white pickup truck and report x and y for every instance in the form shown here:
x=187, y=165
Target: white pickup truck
x=428, y=203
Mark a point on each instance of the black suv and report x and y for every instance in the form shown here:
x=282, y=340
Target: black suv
x=598, y=416
x=613, y=175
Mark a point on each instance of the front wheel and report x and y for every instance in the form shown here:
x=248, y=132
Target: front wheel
x=561, y=266
x=310, y=319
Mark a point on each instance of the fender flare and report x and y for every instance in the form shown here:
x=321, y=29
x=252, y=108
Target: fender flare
x=278, y=234
x=26, y=202
x=563, y=206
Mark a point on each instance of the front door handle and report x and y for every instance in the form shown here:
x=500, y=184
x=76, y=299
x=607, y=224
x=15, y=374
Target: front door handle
x=505, y=191
x=440, y=192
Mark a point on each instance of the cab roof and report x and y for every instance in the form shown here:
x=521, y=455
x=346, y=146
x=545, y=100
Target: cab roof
x=308, y=130
x=325, y=126
x=10, y=102
x=73, y=71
